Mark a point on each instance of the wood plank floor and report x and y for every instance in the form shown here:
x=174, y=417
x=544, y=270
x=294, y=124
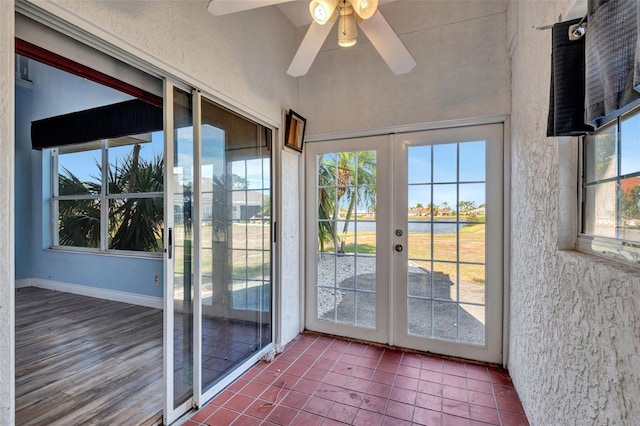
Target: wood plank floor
x=82, y=360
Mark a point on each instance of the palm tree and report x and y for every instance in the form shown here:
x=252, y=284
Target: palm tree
x=345, y=178
x=79, y=219
x=326, y=201
x=139, y=221
x=135, y=223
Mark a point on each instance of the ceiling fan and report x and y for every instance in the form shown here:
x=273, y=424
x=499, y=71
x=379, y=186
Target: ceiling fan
x=325, y=13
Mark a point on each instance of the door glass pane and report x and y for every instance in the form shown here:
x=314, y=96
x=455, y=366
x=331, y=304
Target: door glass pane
x=444, y=163
x=420, y=165
x=420, y=240
x=471, y=320
x=236, y=241
x=346, y=225
x=419, y=207
x=446, y=244
x=183, y=251
x=471, y=284
x=471, y=155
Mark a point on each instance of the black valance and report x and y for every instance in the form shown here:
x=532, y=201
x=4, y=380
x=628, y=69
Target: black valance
x=566, y=100
x=612, y=60
x=109, y=121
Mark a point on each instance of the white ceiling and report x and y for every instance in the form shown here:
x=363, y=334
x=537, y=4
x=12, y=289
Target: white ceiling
x=297, y=12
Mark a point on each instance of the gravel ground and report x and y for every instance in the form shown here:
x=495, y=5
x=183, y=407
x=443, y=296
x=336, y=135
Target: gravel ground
x=357, y=307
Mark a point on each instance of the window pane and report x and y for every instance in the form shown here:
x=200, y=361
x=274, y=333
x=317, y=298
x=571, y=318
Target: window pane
x=79, y=223
x=471, y=287
x=472, y=161
x=472, y=324
x=326, y=169
x=79, y=173
x=601, y=154
x=445, y=159
x=419, y=202
x=630, y=144
x=419, y=239
x=136, y=224
x=420, y=313
x=472, y=202
x=472, y=243
x=445, y=199
x=600, y=210
x=136, y=164
x=630, y=209
x=419, y=164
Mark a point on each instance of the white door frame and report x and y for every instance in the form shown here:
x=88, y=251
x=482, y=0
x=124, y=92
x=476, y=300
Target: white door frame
x=383, y=220
x=492, y=134
x=501, y=165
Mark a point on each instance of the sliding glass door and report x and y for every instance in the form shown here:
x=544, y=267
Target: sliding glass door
x=219, y=295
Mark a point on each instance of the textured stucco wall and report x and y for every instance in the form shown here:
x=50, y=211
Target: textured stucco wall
x=7, y=340
x=462, y=70
x=574, y=352
x=290, y=246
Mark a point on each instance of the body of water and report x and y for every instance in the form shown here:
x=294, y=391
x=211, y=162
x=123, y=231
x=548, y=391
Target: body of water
x=438, y=227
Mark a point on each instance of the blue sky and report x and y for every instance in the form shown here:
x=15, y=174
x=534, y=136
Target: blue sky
x=84, y=164
x=630, y=149
x=471, y=161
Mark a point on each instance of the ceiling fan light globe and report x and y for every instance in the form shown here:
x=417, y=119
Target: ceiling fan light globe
x=347, y=42
x=365, y=8
x=321, y=10
x=347, y=30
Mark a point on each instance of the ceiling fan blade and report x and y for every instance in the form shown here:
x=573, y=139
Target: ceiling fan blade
x=388, y=44
x=309, y=48
x=225, y=7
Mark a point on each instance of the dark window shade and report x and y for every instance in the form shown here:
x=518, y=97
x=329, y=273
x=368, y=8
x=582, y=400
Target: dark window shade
x=612, y=64
x=109, y=121
x=566, y=103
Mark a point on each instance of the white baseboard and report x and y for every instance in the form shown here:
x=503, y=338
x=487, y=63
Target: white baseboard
x=100, y=293
x=25, y=282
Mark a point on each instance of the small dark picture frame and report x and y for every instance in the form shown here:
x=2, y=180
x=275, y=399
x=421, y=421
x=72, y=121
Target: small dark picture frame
x=294, y=133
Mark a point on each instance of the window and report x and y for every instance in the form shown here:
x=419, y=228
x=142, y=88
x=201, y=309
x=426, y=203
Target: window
x=108, y=195
x=611, y=189
x=104, y=190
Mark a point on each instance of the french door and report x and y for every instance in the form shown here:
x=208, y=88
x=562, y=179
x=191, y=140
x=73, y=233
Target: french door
x=218, y=286
x=405, y=240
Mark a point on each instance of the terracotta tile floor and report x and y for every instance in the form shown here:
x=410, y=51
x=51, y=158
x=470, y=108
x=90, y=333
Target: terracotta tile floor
x=320, y=380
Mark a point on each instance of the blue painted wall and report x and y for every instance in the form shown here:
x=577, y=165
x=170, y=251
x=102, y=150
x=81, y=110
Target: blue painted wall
x=23, y=185
x=34, y=258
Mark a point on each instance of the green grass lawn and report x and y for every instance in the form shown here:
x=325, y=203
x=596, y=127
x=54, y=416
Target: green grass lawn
x=471, y=248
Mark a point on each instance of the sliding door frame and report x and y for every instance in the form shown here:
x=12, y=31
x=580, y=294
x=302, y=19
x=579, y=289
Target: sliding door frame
x=170, y=412
x=199, y=395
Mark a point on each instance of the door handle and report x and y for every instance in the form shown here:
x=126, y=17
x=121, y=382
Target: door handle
x=170, y=241
x=398, y=248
